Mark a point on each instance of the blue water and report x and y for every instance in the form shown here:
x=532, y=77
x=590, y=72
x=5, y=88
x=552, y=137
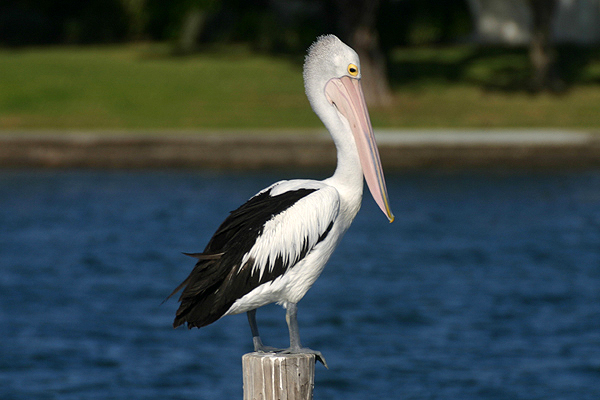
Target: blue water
x=487, y=286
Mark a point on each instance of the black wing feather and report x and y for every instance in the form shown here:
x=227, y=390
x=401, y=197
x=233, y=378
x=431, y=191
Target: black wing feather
x=218, y=279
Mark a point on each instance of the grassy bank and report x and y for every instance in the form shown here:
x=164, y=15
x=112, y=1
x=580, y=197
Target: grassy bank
x=142, y=87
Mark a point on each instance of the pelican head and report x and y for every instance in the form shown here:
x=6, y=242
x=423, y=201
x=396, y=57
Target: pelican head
x=332, y=82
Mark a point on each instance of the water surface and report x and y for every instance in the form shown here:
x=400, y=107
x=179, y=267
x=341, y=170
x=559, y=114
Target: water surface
x=487, y=286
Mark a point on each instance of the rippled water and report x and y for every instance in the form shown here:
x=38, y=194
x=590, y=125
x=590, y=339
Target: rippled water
x=487, y=286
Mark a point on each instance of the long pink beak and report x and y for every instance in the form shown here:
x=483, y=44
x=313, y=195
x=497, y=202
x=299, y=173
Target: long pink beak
x=347, y=95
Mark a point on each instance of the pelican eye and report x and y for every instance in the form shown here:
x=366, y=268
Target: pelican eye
x=352, y=69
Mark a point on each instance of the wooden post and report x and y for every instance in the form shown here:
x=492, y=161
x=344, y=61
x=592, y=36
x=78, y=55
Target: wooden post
x=271, y=376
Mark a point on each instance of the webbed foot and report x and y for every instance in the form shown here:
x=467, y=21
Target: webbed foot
x=259, y=347
x=305, y=350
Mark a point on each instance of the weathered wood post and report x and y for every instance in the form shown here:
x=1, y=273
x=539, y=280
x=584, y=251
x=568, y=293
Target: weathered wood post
x=271, y=376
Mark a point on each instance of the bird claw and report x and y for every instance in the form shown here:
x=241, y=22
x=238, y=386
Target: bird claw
x=259, y=347
x=267, y=349
x=318, y=356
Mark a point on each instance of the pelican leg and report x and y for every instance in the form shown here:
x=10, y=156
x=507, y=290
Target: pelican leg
x=258, y=344
x=291, y=317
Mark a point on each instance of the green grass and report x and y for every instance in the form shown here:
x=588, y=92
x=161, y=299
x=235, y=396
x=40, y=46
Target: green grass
x=467, y=86
x=142, y=87
x=133, y=87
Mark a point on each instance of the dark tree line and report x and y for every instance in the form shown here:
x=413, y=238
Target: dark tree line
x=372, y=27
x=280, y=24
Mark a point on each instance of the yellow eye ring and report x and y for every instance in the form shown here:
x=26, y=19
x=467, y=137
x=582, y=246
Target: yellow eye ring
x=352, y=69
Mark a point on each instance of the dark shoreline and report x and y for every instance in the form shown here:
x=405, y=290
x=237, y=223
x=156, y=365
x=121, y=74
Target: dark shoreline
x=400, y=150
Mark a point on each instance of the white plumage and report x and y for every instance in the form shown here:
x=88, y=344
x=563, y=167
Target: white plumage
x=284, y=236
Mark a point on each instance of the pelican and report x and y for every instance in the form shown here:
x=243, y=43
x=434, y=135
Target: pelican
x=274, y=247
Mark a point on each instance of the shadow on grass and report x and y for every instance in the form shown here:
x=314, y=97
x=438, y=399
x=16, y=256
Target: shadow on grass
x=492, y=68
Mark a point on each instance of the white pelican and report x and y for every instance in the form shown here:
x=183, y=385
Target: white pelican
x=274, y=247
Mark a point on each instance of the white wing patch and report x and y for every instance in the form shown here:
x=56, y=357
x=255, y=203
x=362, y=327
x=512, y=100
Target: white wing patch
x=300, y=226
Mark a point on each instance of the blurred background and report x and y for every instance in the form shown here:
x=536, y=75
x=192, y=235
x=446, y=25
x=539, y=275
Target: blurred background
x=485, y=287
x=232, y=64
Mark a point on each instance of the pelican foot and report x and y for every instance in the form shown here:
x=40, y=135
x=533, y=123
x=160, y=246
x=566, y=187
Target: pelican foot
x=305, y=350
x=259, y=347
x=267, y=349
